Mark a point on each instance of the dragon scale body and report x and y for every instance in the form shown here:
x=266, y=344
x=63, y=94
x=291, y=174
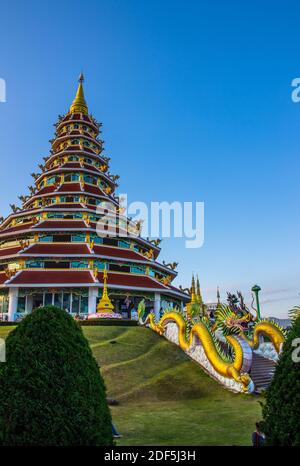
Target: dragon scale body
x=236, y=367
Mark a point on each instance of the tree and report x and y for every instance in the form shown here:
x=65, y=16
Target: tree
x=51, y=390
x=281, y=411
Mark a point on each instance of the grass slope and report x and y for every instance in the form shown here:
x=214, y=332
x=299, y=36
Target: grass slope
x=165, y=398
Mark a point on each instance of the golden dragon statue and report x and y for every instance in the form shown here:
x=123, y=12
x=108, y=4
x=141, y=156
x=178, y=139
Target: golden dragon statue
x=233, y=364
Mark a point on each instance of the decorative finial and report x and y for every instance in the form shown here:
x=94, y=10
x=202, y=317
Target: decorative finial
x=79, y=104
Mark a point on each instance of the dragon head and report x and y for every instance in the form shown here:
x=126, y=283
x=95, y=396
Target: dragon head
x=229, y=322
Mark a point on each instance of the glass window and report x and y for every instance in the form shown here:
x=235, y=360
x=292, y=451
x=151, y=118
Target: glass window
x=58, y=299
x=78, y=238
x=48, y=299
x=136, y=269
x=71, y=177
x=21, y=304
x=75, y=303
x=67, y=302
x=84, y=305
x=51, y=180
x=124, y=244
x=3, y=304
x=99, y=265
x=34, y=264
x=98, y=240
x=88, y=179
x=46, y=238
x=79, y=264
x=119, y=268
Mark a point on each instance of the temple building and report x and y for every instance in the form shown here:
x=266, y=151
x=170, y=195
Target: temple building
x=70, y=228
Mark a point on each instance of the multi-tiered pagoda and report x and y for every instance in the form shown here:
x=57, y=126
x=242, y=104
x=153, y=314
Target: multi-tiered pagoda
x=52, y=250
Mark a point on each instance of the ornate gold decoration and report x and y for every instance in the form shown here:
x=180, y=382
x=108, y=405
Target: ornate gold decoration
x=149, y=254
x=166, y=280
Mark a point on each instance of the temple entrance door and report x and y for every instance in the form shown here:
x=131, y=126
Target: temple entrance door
x=37, y=300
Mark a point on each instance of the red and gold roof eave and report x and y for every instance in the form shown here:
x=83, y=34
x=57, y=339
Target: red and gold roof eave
x=38, y=227
x=86, y=278
x=78, y=118
x=81, y=168
x=58, y=192
x=83, y=250
x=79, y=134
x=77, y=151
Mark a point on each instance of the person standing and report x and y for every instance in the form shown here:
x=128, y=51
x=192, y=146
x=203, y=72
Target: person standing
x=258, y=438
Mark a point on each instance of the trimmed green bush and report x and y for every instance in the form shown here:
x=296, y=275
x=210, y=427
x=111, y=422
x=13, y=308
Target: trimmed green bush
x=51, y=390
x=281, y=411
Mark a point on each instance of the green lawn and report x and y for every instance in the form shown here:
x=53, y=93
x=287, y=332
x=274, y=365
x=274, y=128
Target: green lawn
x=165, y=398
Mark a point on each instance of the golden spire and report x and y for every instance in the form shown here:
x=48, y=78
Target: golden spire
x=199, y=297
x=218, y=295
x=79, y=104
x=105, y=304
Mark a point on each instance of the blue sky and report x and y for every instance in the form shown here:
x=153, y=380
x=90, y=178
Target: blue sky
x=195, y=99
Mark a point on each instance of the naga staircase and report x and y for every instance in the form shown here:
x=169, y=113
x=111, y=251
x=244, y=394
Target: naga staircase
x=262, y=372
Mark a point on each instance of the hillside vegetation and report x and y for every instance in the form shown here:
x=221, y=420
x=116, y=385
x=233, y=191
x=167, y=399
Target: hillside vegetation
x=165, y=398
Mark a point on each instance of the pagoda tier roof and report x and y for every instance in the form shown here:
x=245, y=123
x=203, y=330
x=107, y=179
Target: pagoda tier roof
x=45, y=190
x=82, y=278
x=94, y=169
x=71, y=166
x=110, y=251
x=91, y=189
x=58, y=249
x=80, y=152
x=130, y=280
x=82, y=249
x=69, y=225
x=79, y=166
x=10, y=251
x=138, y=282
x=77, y=134
x=77, y=147
x=77, y=117
x=69, y=187
x=61, y=224
x=17, y=228
x=53, y=277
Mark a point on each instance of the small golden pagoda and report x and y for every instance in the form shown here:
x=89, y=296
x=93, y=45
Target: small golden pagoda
x=105, y=304
x=198, y=293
